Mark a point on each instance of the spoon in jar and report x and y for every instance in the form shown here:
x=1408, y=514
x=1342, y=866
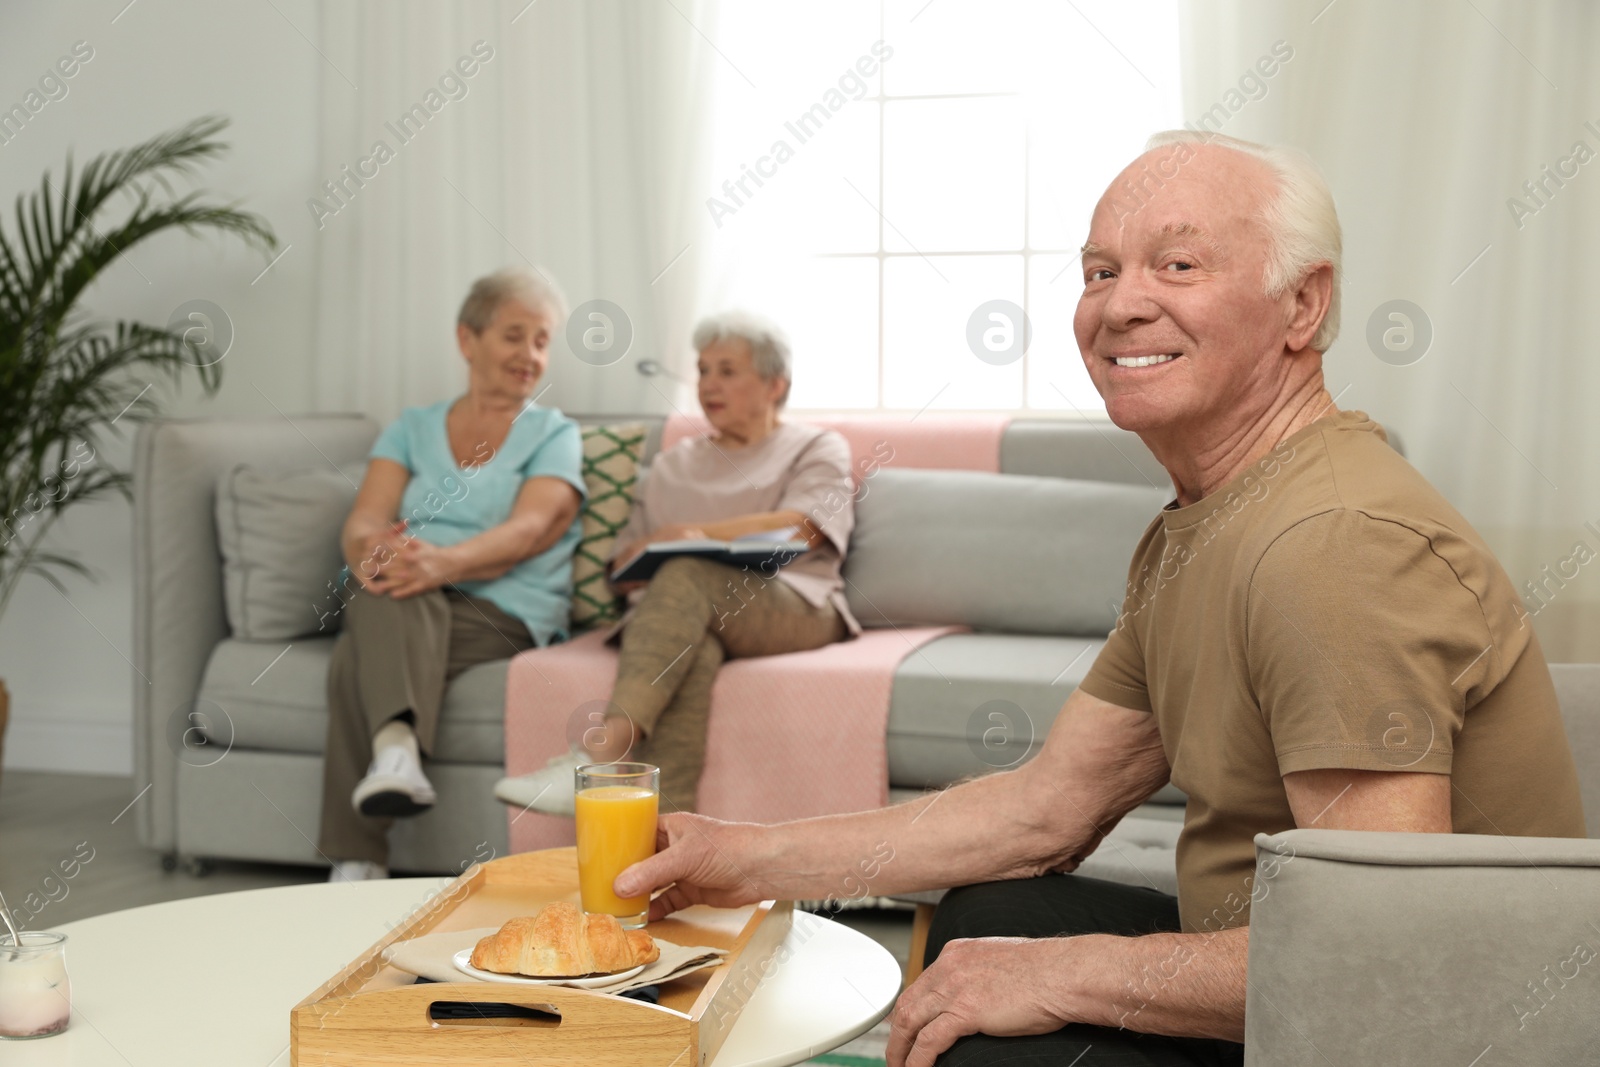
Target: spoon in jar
x=16, y=938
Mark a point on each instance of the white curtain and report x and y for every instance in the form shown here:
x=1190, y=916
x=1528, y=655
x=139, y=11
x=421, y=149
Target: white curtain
x=1428, y=117
x=576, y=144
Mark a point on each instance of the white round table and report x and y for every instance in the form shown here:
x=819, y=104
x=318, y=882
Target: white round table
x=211, y=980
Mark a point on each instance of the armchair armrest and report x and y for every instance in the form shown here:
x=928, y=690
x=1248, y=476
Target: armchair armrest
x=1423, y=949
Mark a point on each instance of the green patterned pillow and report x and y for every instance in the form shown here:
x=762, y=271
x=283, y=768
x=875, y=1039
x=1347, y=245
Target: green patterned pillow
x=610, y=470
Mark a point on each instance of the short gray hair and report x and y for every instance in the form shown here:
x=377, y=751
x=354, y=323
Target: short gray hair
x=532, y=288
x=769, y=348
x=1301, y=218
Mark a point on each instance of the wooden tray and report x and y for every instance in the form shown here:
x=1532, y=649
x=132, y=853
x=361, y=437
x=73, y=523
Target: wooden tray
x=373, y=1013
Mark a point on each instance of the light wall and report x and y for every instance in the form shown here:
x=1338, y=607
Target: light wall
x=155, y=67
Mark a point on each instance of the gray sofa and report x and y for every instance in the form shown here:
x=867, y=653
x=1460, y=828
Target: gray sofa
x=229, y=733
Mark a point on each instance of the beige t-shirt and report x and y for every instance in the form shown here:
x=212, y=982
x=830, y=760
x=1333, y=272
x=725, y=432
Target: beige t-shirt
x=1329, y=609
x=794, y=468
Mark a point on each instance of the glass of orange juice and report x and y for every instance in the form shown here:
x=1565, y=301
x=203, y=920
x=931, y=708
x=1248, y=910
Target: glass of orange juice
x=617, y=805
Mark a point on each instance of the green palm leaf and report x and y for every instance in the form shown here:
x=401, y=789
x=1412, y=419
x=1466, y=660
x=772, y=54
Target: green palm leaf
x=66, y=378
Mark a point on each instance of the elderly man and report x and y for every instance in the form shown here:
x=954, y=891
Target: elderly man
x=1312, y=636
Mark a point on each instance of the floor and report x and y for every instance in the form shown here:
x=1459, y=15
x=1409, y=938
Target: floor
x=55, y=823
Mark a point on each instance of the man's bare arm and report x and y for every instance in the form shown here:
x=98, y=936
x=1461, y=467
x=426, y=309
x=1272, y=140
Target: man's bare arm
x=1399, y=801
x=1098, y=762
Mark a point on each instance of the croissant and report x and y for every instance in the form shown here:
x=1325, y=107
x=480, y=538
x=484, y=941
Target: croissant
x=562, y=941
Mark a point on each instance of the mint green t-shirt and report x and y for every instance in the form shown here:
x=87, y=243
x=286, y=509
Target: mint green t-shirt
x=445, y=504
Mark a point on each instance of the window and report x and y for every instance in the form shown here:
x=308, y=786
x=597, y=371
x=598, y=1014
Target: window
x=888, y=169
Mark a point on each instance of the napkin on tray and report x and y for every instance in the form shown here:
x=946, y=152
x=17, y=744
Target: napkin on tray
x=431, y=957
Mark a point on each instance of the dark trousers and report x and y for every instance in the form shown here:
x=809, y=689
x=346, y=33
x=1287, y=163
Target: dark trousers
x=1051, y=906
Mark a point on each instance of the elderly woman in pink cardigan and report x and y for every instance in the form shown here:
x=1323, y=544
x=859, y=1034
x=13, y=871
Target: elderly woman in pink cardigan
x=753, y=473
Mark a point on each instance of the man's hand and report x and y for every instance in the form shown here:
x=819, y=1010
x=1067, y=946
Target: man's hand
x=1001, y=986
x=701, y=861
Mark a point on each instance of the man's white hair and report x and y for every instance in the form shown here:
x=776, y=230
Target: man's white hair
x=1300, y=219
x=769, y=348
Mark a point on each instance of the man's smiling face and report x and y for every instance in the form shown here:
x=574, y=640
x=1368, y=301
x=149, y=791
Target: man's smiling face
x=1174, y=324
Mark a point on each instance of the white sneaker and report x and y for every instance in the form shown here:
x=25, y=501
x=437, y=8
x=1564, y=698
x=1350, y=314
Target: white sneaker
x=551, y=790
x=357, y=871
x=394, y=786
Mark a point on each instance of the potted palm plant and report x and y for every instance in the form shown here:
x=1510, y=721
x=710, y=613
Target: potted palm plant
x=66, y=377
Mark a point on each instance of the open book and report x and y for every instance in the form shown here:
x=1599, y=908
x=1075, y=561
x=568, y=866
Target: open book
x=764, y=552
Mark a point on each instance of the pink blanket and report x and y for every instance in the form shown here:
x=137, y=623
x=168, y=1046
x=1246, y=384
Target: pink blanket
x=791, y=736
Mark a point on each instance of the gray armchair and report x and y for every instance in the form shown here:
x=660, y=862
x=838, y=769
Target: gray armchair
x=1457, y=949
x=1429, y=949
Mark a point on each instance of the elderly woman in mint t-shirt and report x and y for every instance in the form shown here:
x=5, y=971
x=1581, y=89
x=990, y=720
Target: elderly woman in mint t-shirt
x=461, y=538
x=753, y=473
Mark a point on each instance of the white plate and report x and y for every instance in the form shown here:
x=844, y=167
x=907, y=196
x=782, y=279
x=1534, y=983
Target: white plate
x=463, y=963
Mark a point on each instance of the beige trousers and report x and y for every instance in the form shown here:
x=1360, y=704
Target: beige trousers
x=693, y=615
x=393, y=657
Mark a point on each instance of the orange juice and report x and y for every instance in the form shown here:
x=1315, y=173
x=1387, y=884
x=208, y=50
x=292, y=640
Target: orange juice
x=616, y=829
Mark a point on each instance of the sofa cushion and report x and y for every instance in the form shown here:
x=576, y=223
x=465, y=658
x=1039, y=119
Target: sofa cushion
x=972, y=703
x=279, y=536
x=1002, y=552
x=933, y=441
x=610, y=472
x=969, y=703
x=253, y=698
x=1072, y=448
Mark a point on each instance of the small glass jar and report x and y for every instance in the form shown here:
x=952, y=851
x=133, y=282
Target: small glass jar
x=35, y=996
